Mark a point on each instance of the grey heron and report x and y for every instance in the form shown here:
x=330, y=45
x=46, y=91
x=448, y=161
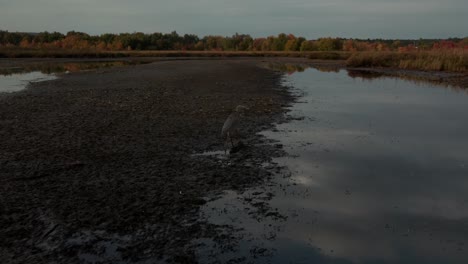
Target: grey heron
x=231, y=124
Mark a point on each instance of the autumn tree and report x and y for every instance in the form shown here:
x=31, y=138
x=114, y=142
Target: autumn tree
x=257, y=44
x=279, y=42
x=75, y=40
x=329, y=44
x=241, y=42
x=236, y=42
x=213, y=42
x=11, y=38
x=293, y=43
x=189, y=41
x=308, y=45
x=26, y=41
x=349, y=45
x=268, y=44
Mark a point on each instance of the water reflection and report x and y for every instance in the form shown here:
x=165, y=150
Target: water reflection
x=18, y=81
x=291, y=68
x=61, y=67
x=378, y=175
x=422, y=78
x=364, y=74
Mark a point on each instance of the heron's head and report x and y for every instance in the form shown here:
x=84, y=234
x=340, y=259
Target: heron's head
x=241, y=108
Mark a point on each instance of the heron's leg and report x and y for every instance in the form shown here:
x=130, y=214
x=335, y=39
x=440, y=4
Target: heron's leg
x=225, y=145
x=232, y=143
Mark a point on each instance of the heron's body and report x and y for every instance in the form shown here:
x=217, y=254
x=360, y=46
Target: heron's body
x=230, y=127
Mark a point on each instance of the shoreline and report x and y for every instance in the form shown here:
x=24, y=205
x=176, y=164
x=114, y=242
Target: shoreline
x=459, y=79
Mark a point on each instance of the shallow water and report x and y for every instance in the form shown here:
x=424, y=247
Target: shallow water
x=18, y=81
x=377, y=172
x=14, y=79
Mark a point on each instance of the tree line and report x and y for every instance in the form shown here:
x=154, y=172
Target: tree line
x=237, y=42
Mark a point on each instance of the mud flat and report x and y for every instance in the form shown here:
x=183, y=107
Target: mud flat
x=99, y=166
x=112, y=165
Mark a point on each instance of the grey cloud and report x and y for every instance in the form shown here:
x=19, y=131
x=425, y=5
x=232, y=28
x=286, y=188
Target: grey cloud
x=347, y=18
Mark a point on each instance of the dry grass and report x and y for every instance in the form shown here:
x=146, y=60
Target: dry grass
x=448, y=60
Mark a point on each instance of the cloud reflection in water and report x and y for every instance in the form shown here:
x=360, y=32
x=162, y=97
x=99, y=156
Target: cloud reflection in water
x=378, y=172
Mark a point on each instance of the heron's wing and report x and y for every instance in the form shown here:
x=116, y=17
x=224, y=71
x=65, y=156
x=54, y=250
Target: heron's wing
x=230, y=123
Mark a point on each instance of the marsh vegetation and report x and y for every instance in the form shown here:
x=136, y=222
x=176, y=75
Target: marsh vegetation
x=422, y=54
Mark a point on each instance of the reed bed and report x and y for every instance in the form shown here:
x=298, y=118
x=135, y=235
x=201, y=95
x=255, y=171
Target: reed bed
x=437, y=60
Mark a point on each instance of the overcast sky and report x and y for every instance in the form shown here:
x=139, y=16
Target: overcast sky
x=308, y=18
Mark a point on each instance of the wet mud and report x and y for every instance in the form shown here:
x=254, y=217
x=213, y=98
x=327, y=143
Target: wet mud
x=113, y=165
x=99, y=166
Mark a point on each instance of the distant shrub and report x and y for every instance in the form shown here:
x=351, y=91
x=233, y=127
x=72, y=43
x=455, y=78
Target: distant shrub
x=437, y=60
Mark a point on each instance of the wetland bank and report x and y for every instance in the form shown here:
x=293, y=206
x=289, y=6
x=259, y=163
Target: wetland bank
x=125, y=165
x=97, y=165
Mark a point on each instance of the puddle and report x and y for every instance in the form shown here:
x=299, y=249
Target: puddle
x=16, y=78
x=18, y=81
x=376, y=173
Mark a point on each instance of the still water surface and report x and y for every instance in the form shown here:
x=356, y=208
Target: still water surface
x=18, y=81
x=377, y=172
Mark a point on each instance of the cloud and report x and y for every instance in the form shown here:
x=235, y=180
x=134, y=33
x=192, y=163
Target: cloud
x=348, y=18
